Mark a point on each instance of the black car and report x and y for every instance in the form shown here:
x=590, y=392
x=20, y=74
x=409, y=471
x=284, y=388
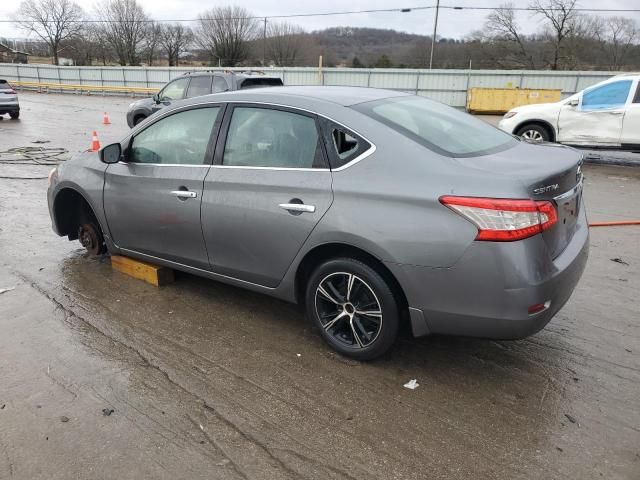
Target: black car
x=195, y=84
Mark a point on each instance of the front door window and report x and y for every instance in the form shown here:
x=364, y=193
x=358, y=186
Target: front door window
x=174, y=90
x=179, y=139
x=609, y=96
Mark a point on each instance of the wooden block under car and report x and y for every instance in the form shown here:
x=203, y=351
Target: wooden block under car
x=153, y=274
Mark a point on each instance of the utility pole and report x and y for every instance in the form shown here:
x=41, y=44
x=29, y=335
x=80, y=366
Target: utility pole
x=433, y=38
x=264, y=42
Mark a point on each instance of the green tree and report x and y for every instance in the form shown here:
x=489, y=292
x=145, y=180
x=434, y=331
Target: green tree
x=356, y=63
x=383, y=62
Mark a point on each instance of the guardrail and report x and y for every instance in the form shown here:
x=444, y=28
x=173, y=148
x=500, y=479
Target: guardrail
x=88, y=89
x=446, y=86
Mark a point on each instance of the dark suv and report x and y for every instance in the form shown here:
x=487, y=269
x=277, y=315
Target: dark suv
x=195, y=84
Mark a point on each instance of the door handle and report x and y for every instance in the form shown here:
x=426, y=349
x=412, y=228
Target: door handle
x=184, y=194
x=298, y=207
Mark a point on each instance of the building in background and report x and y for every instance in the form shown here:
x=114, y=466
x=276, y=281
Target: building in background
x=9, y=55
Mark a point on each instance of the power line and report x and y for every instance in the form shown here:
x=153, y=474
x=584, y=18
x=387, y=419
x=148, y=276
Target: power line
x=354, y=12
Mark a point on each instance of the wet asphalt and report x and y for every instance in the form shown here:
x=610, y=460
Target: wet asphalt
x=103, y=376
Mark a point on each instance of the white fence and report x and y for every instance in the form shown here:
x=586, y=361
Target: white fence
x=447, y=86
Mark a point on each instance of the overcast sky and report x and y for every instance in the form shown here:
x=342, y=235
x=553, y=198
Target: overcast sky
x=451, y=23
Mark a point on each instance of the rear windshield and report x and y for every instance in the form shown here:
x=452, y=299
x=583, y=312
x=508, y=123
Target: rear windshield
x=260, y=82
x=4, y=85
x=441, y=128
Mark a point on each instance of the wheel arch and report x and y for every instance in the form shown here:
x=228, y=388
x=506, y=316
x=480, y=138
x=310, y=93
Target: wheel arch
x=326, y=251
x=69, y=208
x=140, y=114
x=542, y=123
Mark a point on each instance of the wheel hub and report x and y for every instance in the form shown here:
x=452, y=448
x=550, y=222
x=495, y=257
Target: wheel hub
x=348, y=309
x=89, y=238
x=86, y=240
x=532, y=135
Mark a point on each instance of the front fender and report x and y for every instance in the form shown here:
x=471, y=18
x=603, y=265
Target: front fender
x=85, y=175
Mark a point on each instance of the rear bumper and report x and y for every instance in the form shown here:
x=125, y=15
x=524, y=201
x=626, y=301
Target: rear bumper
x=9, y=108
x=487, y=293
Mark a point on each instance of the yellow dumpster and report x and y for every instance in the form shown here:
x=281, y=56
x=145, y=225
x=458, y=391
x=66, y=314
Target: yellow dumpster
x=501, y=100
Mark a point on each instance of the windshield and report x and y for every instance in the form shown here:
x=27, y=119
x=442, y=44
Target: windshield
x=441, y=128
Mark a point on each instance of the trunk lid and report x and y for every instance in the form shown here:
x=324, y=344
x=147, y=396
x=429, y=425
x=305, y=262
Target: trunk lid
x=548, y=172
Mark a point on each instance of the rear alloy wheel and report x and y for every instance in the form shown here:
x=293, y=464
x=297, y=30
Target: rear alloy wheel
x=353, y=307
x=91, y=238
x=534, y=133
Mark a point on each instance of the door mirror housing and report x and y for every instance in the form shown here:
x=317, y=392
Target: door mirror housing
x=111, y=153
x=156, y=97
x=574, y=102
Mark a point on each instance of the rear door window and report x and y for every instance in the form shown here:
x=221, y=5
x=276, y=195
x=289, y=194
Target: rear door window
x=611, y=95
x=262, y=137
x=199, y=86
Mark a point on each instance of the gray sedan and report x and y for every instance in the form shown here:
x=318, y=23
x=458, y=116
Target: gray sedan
x=372, y=208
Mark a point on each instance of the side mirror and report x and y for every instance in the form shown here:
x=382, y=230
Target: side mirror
x=111, y=153
x=574, y=102
x=156, y=97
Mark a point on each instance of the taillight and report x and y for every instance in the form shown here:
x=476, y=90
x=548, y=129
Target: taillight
x=12, y=91
x=504, y=220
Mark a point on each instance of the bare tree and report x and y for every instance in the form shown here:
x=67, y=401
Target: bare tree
x=151, y=43
x=501, y=29
x=224, y=33
x=51, y=20
x=175, y=39
x=616, y=37
x=561, y=18
x=284, y=43
x=124, y=28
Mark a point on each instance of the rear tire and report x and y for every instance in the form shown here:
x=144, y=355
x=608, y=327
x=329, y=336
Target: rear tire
x=353, y=307
x=14, y=115
x=534, y=133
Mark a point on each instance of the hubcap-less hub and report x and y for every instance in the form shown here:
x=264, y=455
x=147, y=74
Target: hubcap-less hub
x=86, y=240
x=89, y=238
x=348, y=309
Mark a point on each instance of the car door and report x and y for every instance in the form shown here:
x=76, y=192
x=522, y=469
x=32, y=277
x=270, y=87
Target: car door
x=172, y=91
x=598, y=117
x=152, y=199
x=268, y=188
x=631, y=122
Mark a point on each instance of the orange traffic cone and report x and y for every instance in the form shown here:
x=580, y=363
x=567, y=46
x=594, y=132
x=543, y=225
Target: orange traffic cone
x=95, y=143
x=105, y=119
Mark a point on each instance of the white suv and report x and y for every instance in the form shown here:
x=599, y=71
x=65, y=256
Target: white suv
x=606, y=114
x=8, y=100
